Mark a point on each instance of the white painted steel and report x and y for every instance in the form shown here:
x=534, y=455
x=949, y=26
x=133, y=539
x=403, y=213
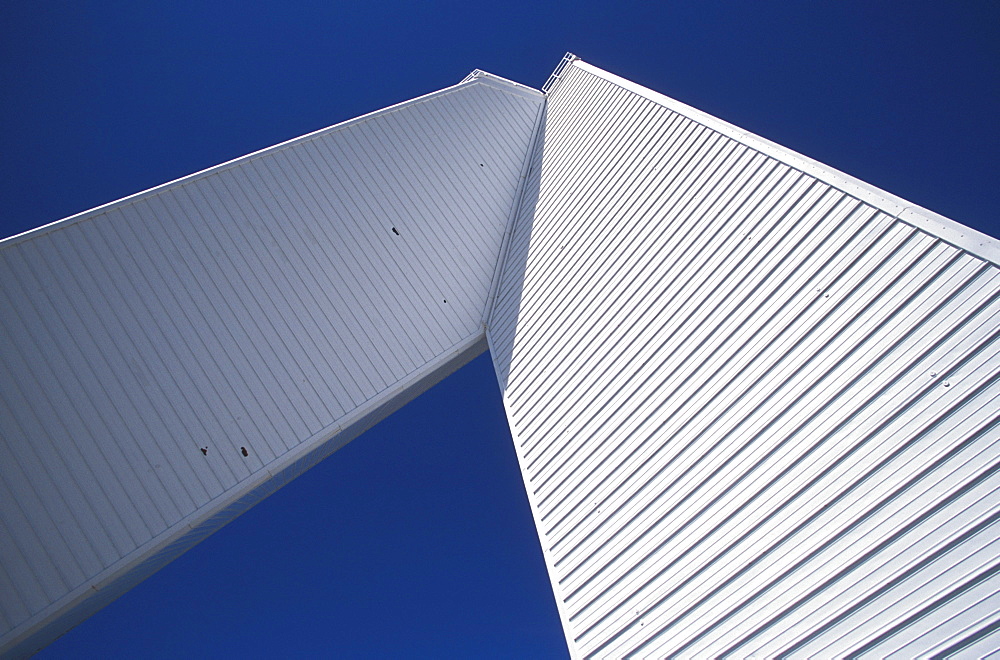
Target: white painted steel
x=754, y=399
x=171, y=358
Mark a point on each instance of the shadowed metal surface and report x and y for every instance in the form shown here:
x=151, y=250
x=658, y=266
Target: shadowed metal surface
x=168, y=359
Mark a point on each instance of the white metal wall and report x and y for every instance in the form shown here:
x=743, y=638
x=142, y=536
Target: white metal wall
x=754, y=399
x=170, y=358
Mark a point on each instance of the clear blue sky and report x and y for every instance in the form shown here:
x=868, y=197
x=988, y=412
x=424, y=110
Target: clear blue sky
x=416, y=539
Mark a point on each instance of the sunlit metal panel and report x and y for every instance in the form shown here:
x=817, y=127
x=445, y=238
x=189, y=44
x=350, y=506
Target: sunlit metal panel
x=754, y=400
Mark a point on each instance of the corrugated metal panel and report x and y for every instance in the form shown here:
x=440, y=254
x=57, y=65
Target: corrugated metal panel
x=168, y=359
x=754, y=400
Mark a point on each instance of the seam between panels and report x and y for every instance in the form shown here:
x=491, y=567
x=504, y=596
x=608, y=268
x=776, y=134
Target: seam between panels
x=499, y=268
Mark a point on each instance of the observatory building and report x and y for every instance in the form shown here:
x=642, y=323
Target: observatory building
x=754, y=400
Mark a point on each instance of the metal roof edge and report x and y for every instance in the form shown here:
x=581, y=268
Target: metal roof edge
x=492, y=81
x=557, y=591
x=479, y=74
x=948, y=230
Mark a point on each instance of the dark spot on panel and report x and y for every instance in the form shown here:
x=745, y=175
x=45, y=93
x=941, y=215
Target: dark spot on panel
x=244, y=450
x=446, y=301
x=395, y=231
x=204, y=450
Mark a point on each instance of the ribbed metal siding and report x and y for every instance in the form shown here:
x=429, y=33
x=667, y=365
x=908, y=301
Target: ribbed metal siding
x=756, y=413
x=267, y=305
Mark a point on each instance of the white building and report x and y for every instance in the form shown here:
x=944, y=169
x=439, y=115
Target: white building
x=753, y=398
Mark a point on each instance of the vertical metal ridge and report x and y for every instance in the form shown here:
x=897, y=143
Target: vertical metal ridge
x=518, y=210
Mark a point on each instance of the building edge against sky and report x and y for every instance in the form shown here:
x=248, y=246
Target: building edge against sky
x=174, y=357
x=753, y=398
x=654, y=166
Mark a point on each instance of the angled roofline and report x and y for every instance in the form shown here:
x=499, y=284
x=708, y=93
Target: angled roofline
x=948, y=230
x=566, y=61
x=490, y=80
x=479, y=74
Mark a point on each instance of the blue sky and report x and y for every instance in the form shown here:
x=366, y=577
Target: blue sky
x=416, y=540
